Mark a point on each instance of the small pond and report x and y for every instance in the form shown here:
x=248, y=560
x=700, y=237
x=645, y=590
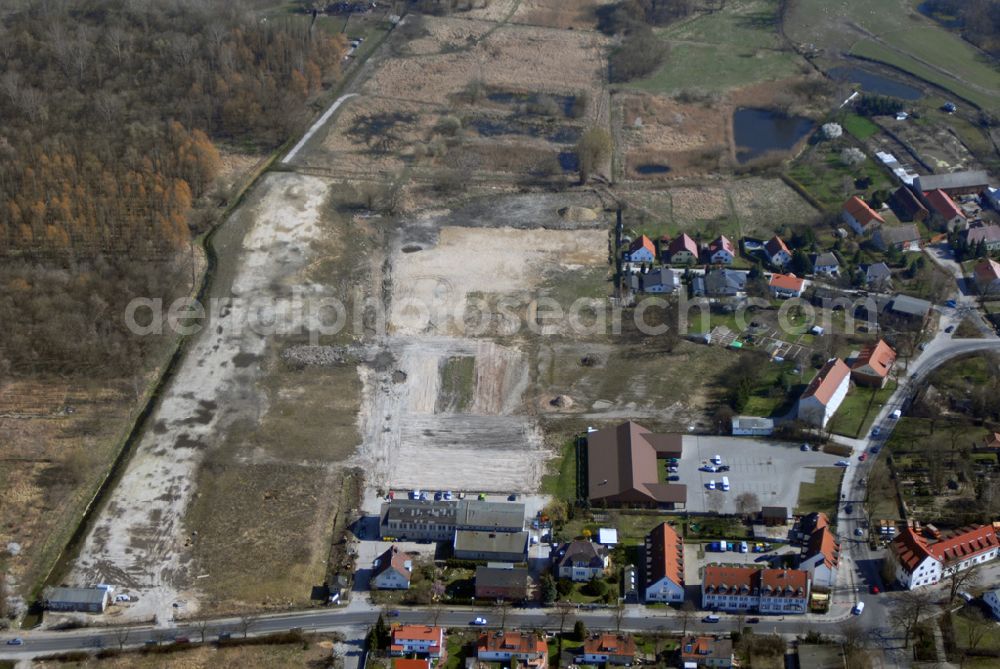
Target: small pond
x=569, y=161
x=875, y=83
x=759, y=131
x=652, y=168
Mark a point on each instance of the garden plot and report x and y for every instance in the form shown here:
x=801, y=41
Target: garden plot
x=763, y=205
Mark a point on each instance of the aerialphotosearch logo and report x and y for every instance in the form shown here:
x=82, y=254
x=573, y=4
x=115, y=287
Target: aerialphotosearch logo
x=303, y=312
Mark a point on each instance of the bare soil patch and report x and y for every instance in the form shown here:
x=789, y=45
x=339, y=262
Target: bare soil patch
x=581, y=15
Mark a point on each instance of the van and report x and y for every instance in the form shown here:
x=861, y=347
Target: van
x=858, y=608
x=725, y=483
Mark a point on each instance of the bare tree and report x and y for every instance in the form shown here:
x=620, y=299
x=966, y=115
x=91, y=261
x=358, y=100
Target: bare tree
x=853, y=634
x=962, y=579
x=436, y=612
x=502, y=608
x=976, y=628
x=245, y=623
x=747, y=503
x=907, y=611
x=202, y=626
x=687, y=615
x=619, y=616
x=121, y=636
x=564, y=611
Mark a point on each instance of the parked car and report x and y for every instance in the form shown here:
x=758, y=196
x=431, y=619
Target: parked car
x=874, y=449
x=858, y=609
x=848, y=509
x=951, y=304
x=722, y=468
x=438, y=495
x=716, y=459
x=707, y=468
x=858, y=532
x=478, y=621
x=896, y=414
x=711, y=484
x=805, y=447
x=842, y=463
x=875, y=431
x=863, y=457
x=874, y=589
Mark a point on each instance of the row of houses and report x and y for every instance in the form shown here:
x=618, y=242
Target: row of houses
x=684, y=250
x=424, y=645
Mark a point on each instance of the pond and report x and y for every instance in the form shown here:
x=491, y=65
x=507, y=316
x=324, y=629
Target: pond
x=759, y=131
x=652, y=169
x=875, y=83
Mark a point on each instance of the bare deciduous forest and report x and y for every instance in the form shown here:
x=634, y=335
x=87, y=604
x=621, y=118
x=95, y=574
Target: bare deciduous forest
x=111, y=113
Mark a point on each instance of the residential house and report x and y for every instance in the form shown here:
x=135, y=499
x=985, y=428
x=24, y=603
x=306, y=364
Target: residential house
x=821, y=558
x=987, y=235
x=683, y=250
x=908, y=206
x=706, y=651
x=955, y=183
x=944, y=212
x=827, y=263
x=992, y=600
x=919, y=560
x=83, y=600
x=663, y=280
x=877, y=276
x=609, y=648
x=423, y=640
x=777, y=252
x=784, y=591
x=641, y=250
x=774, y=515
x=910, y=307
x=391, y=570
x=871, y=368
x=901, y=237
x=622, y=468
x=511, y=584
x=581, y=560
x=753, y=426
x=992, y=442
x=784, y=286
x=664, y=565
x=859, y=216
x=824, y=393
x=495, y=546
x=725, y=282
x=721, y=251
x=808, y=524
x=987, y=276
x=426, y=520
x=526, y=648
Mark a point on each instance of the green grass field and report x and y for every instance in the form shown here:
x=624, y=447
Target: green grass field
x=909, y=41
x=827, y=179
x=822, y=495
x=859, y=409
x=560, y=482
x=859, y=126
x=736, y=46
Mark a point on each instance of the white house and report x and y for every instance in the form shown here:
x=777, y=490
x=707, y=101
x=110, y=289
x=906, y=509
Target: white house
x=992, y=599
x=664, y=565
x=642, y=250
x=581, y=561
x=784, y=591
x=417, y=639
x=784, y=286
x=919, y=560
x=721, y=251
x=827, y=263
x=391, y=570
x=777, y=252
x=821, y=558
x=862, y=218
x=824, y=393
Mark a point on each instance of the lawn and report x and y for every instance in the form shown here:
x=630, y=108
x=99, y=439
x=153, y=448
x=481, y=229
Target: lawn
x=859, y=409
x=823, y=494
x=777, y=389
x=859, y=126
x=561, y=481
x=736, y=46
x=820, y=171
x=989, y=641
x=961, y=67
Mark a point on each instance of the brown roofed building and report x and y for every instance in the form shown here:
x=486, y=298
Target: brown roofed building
x=391, y=570
x=746, y=588
x=608, y=648
x=907, y=205
x=525, y=647
x=987, y=276
x=862, y=218
x=706, y=651
x=872, y=366
x=986, y=234
x=824, y=393
x=944, y=210
x=821, y=558
x=777, y=251
x=664, y=565
x=511, y=585
x=683, y=250
x=622, y=467
x=581, y=560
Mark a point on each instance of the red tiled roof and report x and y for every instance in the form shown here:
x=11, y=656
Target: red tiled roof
x=643, y=242
x=770, y=582
x=880, y=357
x=511, y=642
x=683, y=243
x=697, y=649
x=774, y=245
x=861, y=212
x=416, y=633
x=722, y=244
x=725, y=579
x=786, y=282
x=665, y=549
x=823, y=386
x=987, y=270
x=610, y=644
x=393, y=558
x=912, y=548
x=942, y=204
x=823, y=541
x=788, y=582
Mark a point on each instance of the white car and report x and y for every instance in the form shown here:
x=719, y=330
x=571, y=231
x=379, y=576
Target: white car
x=842, y=463
x=708, y=468
x=711, y=484
x=858, y=609
x=897, y=414
x=479, y=621
x=717, y=459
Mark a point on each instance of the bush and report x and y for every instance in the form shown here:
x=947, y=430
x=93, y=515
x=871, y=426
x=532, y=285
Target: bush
x=852, y=156
x=596, y=587
x=579, y=631
x=639, y=55
x=564, y=586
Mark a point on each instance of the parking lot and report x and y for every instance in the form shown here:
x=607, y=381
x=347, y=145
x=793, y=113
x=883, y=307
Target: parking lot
x=770, y=470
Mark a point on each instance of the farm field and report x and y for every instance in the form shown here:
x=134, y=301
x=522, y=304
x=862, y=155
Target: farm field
x=891, y=31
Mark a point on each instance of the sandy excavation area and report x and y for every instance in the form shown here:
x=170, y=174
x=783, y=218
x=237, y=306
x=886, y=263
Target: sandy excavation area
x=426, y=422
x=139, y=543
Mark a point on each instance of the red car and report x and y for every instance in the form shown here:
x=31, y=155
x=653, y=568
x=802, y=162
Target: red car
x=874, y=590
x=863, y=457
